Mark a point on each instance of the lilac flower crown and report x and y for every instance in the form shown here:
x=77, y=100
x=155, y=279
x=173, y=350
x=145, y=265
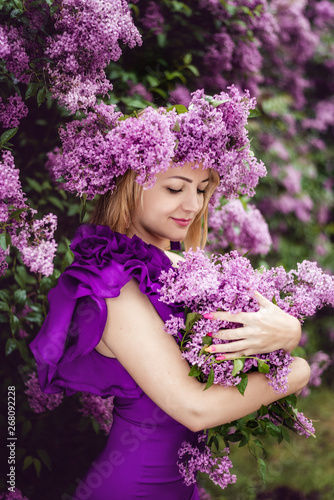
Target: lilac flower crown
x=106, y=143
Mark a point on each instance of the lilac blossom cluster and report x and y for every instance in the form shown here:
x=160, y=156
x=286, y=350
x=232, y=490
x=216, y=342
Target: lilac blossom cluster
x=40, y=401
x=232, y=55
x=303, y=426
x=13, y=52
x=13, y=495
x=242, y=229
x=32, y=237
x=12, y=111
x=87, y=39
x=152, y=18
x=98, y=408
x=105, y=144
x=319, y=362
x=225, y=282
x=193, y=460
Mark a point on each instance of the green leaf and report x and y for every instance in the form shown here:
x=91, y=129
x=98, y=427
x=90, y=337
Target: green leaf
x=4, y=240
x=14, y=323
x=262, y=467
x=38, y=466
x=243, y=384
x=285, y=434
x=56, y=202
x=193, y=69
x=187, y=58
x=244, y=441
x=194, y=371
x=20, y=297
x=4, y=307
x=41, y=96
x=5, y=296
x=23, y=350
x=179, y=108
x=27, y=461
x=263, y=367
x=45, y=457
x=211, y=378
x=32, y=89
x=16, y=213
x=6, y=136
x=35, y=185
x=254, y=113
x=26, y=427
x=191, y=320
x=95, y=425
x=10, y=346
x=238, y=365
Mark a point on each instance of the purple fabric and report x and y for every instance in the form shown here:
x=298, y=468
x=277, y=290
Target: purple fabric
x=139, y=461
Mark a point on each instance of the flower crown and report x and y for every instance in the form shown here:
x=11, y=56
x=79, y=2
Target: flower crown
x=106, y=143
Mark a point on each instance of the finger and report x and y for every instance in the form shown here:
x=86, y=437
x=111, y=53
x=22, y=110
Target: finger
x=232, y=347
x=231, y=334
x=261, y=299
x=225, y=316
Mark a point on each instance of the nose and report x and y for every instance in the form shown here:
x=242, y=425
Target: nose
x=193, y=202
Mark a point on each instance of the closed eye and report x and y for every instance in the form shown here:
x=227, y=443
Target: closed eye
x=174, y=191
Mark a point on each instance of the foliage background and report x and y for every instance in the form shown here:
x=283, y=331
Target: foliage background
x=283, y=51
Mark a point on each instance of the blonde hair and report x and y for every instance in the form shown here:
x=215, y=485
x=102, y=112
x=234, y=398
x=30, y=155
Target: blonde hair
x=116, y=209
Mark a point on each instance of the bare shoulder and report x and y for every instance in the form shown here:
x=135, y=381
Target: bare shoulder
x=174, y=257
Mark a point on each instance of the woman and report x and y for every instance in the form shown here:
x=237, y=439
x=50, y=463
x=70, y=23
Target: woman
x=105, y=334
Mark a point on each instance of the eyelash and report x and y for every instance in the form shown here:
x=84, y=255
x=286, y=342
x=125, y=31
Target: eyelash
x=175, y=191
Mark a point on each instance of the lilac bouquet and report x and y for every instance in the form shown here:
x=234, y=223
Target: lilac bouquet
x=226, y=282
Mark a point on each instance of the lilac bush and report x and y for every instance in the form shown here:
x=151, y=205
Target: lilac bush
x=86, y=40
x=39, y=401
x=32, y=237
x=98, y=408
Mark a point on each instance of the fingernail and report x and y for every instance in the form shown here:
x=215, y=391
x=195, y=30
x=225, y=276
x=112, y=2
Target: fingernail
x=211, y=348
x=209, y=334
x=220, y=358
x=208, y=316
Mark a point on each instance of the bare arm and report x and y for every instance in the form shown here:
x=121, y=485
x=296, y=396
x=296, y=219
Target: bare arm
x=134, y=333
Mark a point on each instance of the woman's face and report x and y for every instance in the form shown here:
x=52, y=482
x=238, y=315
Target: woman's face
x=169, y=208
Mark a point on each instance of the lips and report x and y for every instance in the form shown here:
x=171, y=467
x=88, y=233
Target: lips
x=182, y=222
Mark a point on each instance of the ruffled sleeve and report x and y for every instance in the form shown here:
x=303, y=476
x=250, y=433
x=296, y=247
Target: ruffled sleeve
x=65, y=346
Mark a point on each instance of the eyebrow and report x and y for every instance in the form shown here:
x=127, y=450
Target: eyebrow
x=186, y=178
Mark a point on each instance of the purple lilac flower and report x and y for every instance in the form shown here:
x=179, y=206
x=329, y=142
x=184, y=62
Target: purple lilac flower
x=225, y=283
x=33, y=238
x=193, y=460
x=203, y=494
x=38, y=400
x=13, y=495
x=233, y=225
x=153, y=19
x=104, y=145
x=87, y=39
x=140, y=89
x=303, y=426
x=13, y=51
x=324, y=116
x=12, y=111
x=3, y=263
x=319, y=362
x=101, y=409
x=180, y=95
x=292, y=180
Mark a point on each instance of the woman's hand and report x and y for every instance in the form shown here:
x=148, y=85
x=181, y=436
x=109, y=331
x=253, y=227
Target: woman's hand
x=263, y=331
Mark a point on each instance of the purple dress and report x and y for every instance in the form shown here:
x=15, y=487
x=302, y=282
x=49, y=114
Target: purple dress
x=139, y=460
